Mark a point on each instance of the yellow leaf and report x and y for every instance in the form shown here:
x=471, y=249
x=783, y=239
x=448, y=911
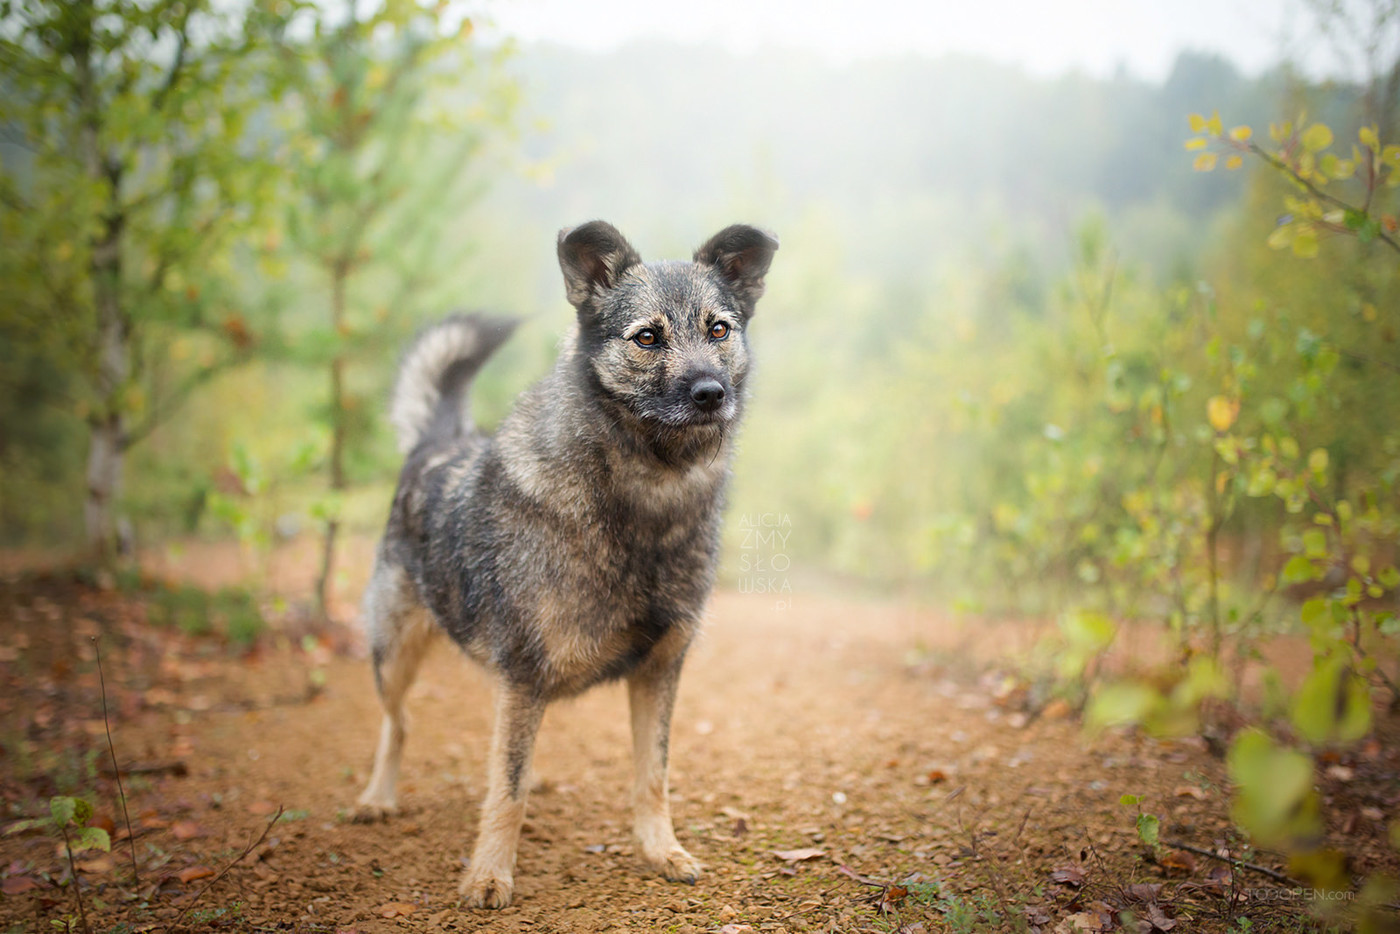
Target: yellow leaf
x=1198, y=123
x=1369, y=139
x=1204, y=162
x=1241, y=133
x=1282, y=236
x=1213, y=124
x=1196, y=142
x=1317, y=137
x=1233, y=162
x=1305, y=243
x=1221, y=412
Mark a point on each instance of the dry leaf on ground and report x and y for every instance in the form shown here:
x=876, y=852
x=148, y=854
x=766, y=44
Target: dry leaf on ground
x=396, y=910
x=797, y=856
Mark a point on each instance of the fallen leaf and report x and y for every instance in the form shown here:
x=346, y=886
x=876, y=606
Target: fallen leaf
x=916, y=928
x=891, y=897
x=1142, y=891
x=1159, y=920
x=1179, y=863
x=194, y=873
x=937, y=775
x=797, y=856
x=1079, y=922
x=261, y=808
x=1189, y=791
x=735, y=929
x=186, y=830
x=1057, y=709
x=1069, y=875
x=17, y=885
x=97, y=865
x=396, y=910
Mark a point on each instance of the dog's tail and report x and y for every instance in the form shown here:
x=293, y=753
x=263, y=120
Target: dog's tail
x=430, y=391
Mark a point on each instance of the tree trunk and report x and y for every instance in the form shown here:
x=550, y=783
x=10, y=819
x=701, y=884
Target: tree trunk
x=107, y=445
x=339, y=273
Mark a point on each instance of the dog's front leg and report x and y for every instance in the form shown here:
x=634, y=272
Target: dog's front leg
x=652, y=693
x=490, y=882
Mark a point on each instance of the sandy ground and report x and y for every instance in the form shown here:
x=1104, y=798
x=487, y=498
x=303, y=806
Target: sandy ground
x=836, y=766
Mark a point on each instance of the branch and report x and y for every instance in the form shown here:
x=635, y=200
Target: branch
x=161, y=95
x=159, y=413
x=223, y=872
x=1362, y=358
x=1312, y=189
x=1253, y=867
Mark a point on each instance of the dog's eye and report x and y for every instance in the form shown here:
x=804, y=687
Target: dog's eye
x=719, y=331
x=646, y=337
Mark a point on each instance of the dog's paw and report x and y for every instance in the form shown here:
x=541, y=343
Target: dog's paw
x=487, y=890
x=370, y=811
x=677, y=865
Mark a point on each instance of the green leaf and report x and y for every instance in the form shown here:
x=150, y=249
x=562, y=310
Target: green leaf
x=1305, y=242
x=1274, y=800
x=1088, y=630
x=1315, y=543
x=1129, y=800
x=1317, y=137
x=1121, y=704
x=1333, y=704
x=1316, y=613
x=1317, y=461
x=1297, y=570
x=62, y=809
x=1147, y=829
x=92, y=838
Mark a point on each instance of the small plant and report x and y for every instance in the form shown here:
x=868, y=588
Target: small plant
x=68, y=819
x=1148, y=825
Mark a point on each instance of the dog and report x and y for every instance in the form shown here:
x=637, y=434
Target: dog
x=579, y=544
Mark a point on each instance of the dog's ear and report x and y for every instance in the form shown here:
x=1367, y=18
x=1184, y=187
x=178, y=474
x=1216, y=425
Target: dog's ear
x=593, y=257
x=740, y=254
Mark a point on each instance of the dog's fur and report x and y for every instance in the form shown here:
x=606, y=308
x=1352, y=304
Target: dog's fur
x=579, y=544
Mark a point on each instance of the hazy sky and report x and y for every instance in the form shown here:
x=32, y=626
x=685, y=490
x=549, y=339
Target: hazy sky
x=1044, y=36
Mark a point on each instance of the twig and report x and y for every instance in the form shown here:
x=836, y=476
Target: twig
x=223, y=872
x=1262, y=870
x=116, y=770
x=77, y=887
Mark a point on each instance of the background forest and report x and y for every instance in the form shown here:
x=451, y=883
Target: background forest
x=1021, y=352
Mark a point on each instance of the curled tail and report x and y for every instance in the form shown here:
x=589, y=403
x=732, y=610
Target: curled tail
x=431, y=388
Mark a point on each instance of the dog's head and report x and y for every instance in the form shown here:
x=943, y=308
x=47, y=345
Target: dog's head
x=666, y=341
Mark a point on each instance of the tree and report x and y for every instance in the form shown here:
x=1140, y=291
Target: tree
x=131, y=168
x=382, y=162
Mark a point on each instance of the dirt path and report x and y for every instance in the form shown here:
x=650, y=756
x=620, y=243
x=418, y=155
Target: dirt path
x=813, y=728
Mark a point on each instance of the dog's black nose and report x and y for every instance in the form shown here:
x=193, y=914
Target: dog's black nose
x=707, y=394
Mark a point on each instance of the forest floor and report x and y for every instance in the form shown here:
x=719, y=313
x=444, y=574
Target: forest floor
x=837, y=765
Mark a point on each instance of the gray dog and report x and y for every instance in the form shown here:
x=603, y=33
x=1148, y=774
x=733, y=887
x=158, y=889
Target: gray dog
x=579, y=544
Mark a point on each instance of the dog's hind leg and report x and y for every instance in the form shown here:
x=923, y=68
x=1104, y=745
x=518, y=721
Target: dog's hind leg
x=400, y=633
x=490, y=879
x=651, y=691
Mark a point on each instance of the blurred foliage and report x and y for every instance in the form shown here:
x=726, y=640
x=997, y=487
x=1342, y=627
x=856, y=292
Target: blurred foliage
x=133, y=166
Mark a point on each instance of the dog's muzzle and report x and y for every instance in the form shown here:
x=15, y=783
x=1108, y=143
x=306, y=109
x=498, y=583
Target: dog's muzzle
x=707, y=394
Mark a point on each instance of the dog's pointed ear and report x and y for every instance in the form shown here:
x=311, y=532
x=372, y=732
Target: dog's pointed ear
x=593, y=257
x=740, y=254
